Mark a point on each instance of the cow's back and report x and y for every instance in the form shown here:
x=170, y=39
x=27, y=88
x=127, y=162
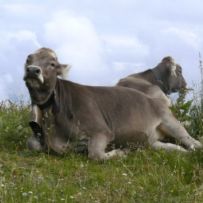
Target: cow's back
x=146, y=87
x=115, y=105
x=120, y=112
x=128, y=113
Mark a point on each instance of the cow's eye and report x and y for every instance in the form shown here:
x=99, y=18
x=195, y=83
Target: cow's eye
x=53, y=65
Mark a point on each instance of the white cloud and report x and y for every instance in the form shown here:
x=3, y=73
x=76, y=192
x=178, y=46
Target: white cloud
x=126, y=44
x=8, y=78
x=187, y=36
x=126, y=55
x=14, y=48
x=122, y=67
x=13, y=41
x=103, y=41
x=20, y=36
x=20, y=8
x=76, y=42
x=5, y=81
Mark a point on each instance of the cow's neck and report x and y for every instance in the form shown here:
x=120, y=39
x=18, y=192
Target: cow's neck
x=60, y=100
x=63, y=98
x=152, y=76
x=48, y=103
x=160, y=79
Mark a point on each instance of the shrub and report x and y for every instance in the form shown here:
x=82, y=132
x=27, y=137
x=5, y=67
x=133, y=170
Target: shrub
x=14, y=127
x=189, y=113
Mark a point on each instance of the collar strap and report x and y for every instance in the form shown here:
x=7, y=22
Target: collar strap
x=48, y=103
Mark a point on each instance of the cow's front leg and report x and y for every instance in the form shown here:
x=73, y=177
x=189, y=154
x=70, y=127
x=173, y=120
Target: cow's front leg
x=97, y=145
x=36, y=115
x=155, y=143
x=173, y=128
x=34, y=144
x=167, y=146
x=36, y=141
x=58, y=144
x=116, y=153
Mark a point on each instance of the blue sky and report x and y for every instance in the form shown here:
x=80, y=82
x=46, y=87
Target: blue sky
x=102, y=40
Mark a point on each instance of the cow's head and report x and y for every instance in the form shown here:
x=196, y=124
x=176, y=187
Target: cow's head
x=41, y=71
x=171, y=75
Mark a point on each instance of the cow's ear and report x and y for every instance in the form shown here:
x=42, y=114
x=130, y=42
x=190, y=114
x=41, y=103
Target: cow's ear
x=63, y=69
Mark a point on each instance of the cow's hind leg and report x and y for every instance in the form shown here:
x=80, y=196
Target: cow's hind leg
x=172, y=127
x=97, y=145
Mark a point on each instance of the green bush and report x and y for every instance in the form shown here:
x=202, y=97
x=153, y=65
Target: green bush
x=14, y=127
x=190, y=114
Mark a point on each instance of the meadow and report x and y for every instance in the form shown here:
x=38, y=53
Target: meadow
x=145, y=175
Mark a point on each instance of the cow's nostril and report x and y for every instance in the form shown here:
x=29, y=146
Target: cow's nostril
x=37, y=71
x=33, y=70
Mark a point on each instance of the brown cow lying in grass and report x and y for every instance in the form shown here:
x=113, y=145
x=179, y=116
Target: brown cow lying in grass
x=100, y=115
x=164, y=79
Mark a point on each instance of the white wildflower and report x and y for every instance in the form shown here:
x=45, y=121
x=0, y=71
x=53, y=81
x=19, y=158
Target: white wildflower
x=24, y=194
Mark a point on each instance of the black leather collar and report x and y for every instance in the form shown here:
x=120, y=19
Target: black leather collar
x=48, y=103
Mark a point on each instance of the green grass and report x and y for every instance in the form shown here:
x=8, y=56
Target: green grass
x=144, y=176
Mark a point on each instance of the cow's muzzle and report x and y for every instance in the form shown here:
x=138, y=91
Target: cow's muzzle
x=33, y=72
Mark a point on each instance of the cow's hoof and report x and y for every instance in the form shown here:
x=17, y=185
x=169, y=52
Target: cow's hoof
x=33, y=144
x=122, y=153
x=196, y=145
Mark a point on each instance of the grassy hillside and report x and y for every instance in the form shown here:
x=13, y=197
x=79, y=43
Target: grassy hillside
x=144, y=176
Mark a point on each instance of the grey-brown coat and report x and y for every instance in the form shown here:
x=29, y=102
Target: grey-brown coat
x=157, y=82
x=101, y=115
